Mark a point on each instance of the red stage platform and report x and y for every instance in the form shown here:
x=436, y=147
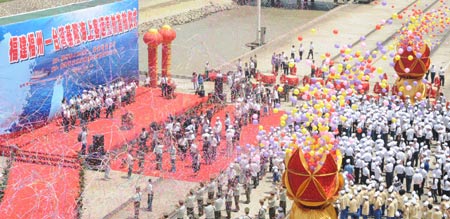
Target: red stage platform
x=49, y=190
x=149, y=107
x=184, y=169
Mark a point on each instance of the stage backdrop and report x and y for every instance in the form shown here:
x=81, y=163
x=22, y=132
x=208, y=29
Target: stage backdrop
x=43, y=60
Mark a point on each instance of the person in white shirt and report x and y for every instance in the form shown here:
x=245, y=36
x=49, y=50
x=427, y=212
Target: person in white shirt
x=163, y=84
x=292, y=52
x=300, y=51
x=311, y=51
x=442, y=75
x=109, y=106
x=83, y=139
x=219, y=204
x=158, y=152
x=147, y=81
x=190, y=203
x=417, y=180
x=181, y=211
x=149, y=195
x=209, y=210
x=137, y=202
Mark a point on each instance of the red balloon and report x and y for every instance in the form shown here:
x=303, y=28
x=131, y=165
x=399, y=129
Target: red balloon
x=378, y=27
x=300, y=38
x=335, y=31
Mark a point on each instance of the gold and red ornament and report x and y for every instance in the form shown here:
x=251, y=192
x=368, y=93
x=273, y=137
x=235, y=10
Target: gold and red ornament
x=152, y=38
x=168, y=35
x=312, y=177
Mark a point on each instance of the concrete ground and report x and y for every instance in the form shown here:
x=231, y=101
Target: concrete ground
x=102, y=196
x=352, y=21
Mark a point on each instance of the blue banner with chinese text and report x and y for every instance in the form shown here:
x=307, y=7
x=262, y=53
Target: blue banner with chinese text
x=45, y=60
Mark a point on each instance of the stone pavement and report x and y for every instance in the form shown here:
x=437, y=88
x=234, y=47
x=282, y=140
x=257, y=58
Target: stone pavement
x=351, y=20
x=155, y=9
x=23, y=6
x=103, y=196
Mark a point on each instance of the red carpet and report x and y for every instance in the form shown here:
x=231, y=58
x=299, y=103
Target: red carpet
x=49, y=190
x=149, y=107
x=40, y=191
x=184, y=169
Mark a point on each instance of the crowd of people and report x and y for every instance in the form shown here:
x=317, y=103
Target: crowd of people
x=89, y=105
x=224, y=192
x=395, y=153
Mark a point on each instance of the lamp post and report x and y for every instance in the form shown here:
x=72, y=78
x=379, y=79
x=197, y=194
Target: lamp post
x=152, y=38
x=258, y=37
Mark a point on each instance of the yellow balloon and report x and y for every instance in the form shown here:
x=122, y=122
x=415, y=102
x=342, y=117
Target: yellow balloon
x=275, y=110
x=410, y=57
x=394, y=16
x=296, y=91
x=380, y=70
x=291, y=64
x=282, y=123
x=383, y=85
x=280, y=89
x=354, y=107
x=313, y=30
x=261, y=127
x=397, y=57
x=401, y=89
x=384, y=57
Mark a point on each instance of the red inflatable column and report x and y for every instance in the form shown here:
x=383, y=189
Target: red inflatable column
x=168, y=35
x=152, y=38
